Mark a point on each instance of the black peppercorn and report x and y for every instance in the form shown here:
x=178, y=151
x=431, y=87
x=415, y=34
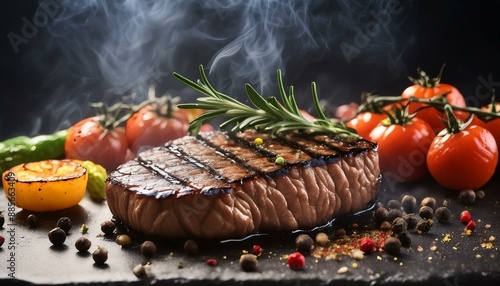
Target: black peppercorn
x=442, y=214
x=392, y=245
x=108, y=227
x=405, y=239
x=100, y=255
x=399, y=225
x=148, y=248
x=32, y=220
x=409, y=203
x=467, y=197
x=340, y=233
x=57, y=236
x=393, y=204
x=385, y=226
x=83, y=244
x=2, y=221
x=393, y=214
x=65, y=224
x=480, y=195
x=430, y=202
x=248, y=262
x=304, y=243
x=411, y=221
x=424, y=226
x=190, y=247
x=426, y=212
x=380, y=215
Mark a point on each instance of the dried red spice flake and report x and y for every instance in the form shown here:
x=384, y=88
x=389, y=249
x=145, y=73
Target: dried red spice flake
x=211, y=262
x=346, y=245
x=465, y=217
x=296, y=261
x=257, y=250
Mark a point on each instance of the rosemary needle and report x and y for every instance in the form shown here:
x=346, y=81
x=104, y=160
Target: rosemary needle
x=266, y=115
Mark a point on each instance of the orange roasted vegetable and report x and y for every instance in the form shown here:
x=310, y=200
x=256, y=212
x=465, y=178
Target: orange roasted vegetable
x=48, y=185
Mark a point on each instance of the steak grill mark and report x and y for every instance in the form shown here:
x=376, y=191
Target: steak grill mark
x=213, y=162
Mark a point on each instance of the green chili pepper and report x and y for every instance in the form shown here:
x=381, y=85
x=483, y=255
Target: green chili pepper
x=23, y=149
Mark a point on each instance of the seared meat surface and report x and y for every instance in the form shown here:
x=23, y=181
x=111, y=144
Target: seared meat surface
x=221, y=185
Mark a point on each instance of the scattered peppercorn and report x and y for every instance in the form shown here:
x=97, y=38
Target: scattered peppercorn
x=190, y=247
x=399, y=225
x=142, y=271
x=424, y=226
x=393, y=214
x=322, y=239
x=2, y=240
x=83, y=244
x=32, y=220
x=430, y=202
x=258, y=141
x=296, y=261
x=393, y=204
x=426, y=212
x=340, y=233
x=108, y=227
x=392, y=246
x=409, y=203
x=257, y=250
x=304, y=243
x=367, y=245
x=467, y=197
x=280, y=160
x=248, y=262
x=480, y=195
x=405, y=239
x=100, y=255
x=470, y=226
x=65, y=224
x=211, y=262
x=411, y=221
x=380, y=215
x=442, y=214
x=57, y=236
x=385, y=226
x=123, y=240
x=2, y=221
x=148, y=248
x=465, y=217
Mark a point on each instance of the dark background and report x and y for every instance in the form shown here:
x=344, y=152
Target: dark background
x=48, y=83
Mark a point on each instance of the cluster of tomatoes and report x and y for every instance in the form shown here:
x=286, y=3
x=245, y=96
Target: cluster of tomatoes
x=101, y=140
x=414, y=138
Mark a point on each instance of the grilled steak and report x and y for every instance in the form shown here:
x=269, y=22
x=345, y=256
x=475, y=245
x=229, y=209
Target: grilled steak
x=221, y=185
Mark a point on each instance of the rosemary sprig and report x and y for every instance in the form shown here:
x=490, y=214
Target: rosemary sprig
x=266, y=115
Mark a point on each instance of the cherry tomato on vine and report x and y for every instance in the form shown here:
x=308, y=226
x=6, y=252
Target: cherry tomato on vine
x=428, y=88
x=463, y=160
x=365, y=122
x=155, y=124
x=492, y=125
x=402, y=148
x=90, y=140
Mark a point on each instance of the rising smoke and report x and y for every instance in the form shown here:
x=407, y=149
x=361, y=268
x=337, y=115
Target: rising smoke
x=102, y=50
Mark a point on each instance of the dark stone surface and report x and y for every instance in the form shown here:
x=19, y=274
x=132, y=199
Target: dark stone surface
x=461, y=261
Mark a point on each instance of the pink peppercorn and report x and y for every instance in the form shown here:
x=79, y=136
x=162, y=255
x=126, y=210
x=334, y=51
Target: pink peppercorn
x=296, y=261
x=367, y=245
x=211, y=262
x=257, y=250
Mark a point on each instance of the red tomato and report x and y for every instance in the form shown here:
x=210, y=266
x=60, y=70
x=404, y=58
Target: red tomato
x=89, y=140
x=148, y=127
x=429, y=114
x=365, y=122
x=403, y=149
x=493, y=125
x=463, y=160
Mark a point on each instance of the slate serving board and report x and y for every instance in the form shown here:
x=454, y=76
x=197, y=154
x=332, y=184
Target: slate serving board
x=464, y=260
